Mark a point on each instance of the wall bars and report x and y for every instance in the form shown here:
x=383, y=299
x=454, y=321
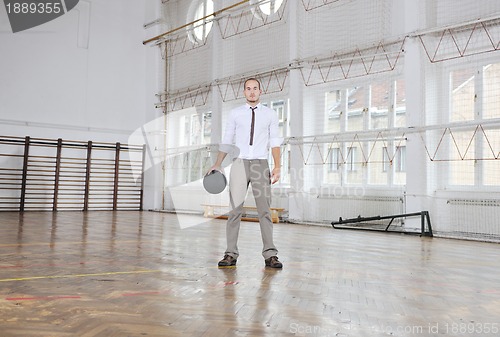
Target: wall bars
x=39, y=174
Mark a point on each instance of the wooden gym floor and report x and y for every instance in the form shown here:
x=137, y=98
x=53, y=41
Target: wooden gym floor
x=140, y=274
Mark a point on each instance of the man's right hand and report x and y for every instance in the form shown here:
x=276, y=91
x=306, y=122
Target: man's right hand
x=215, y=168
x=218, y=163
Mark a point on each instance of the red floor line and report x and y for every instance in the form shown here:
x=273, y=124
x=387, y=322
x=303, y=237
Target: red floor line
x=144, y=293
x=42, y=298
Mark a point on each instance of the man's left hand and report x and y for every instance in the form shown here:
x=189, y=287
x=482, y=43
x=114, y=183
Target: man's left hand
x=275, y=175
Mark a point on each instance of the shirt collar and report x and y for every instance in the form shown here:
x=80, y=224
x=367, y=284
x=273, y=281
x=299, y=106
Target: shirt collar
x=249, y=106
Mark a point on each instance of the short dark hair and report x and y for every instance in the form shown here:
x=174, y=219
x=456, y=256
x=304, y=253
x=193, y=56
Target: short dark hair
x=250, y=79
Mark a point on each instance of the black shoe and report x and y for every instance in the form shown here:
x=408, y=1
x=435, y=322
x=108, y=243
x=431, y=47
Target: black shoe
x=273, y=262
x=227, y=261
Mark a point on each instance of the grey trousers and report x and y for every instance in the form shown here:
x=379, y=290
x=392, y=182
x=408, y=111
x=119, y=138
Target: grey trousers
x=244, y=172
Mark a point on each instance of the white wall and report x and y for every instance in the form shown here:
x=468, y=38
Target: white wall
x=83, y=76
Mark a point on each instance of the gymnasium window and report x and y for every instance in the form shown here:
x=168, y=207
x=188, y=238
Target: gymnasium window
x=271, y=6
x=462, y=95
x=386, y=161
x=474, y=98
x=377, y=105
x=400, y=159
x=207, y=126
x=356, y=104
x=333, y=111
x=186, y=128
x=281, y=108
x=491, y=97
x=265, y=8
x=400, y=104
x=491, y=109
x=380, y=102
x=202, y=28
x=353, y=166
x=352, y=159
x=334, y=160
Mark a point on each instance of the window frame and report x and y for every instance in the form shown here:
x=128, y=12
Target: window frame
x=193, y=16
x=256, y=8
x=337, y=101
x=478, y=182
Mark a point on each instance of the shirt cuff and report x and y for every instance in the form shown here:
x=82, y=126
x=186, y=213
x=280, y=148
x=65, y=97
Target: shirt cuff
x=275, y=142
x=230, y=149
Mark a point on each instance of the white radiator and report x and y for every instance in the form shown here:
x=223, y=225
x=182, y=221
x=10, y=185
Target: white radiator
x=474, y=217
x=332, y=208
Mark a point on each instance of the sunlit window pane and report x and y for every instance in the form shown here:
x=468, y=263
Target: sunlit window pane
x=202, y=28
x=271, y=6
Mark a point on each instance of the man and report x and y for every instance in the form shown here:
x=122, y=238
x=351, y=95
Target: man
x=253, y=128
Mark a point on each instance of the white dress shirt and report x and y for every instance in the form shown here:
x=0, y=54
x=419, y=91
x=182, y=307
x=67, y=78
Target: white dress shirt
x=266, y=131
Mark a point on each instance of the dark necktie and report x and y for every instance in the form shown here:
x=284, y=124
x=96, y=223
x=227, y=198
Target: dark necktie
x=253, y=125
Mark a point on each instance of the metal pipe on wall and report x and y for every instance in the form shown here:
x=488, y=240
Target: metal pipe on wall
x=214, y=14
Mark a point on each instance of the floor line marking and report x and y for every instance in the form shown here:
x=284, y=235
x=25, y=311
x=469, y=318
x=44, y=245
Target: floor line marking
x=74, y=242
x=77, y=275
x=42, y=298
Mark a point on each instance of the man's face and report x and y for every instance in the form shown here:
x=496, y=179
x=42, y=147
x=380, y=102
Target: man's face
x=252, y=91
